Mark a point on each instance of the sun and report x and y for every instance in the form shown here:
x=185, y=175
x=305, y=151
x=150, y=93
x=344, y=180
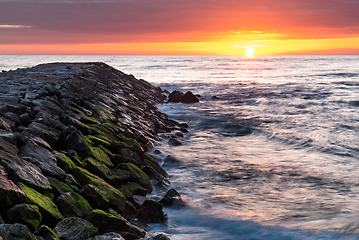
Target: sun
x=250, y=52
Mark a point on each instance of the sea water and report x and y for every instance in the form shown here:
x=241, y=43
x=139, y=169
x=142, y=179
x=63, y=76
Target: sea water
x=273, y=144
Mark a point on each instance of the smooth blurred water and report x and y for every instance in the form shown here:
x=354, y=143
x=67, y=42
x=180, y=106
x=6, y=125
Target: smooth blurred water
x=274, y=156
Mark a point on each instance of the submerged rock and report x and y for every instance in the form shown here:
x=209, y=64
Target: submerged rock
x=189, y=97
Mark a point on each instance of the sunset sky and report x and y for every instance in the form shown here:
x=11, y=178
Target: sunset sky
x=178, y=27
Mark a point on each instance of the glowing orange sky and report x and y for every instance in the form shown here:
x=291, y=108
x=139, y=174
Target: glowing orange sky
x=179, y=27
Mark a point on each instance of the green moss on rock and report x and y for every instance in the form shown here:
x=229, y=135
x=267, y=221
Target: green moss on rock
x=73, y=205
x=64, y=162
x=138, y=176
x=132, y=142
x=129, y=189
x=60, y=187
x=46, y=206
x=100, y=169
x=98, y=141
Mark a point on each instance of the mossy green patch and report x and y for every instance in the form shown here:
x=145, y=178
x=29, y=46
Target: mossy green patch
x=44, y=203
x=73, y=205
x=88, y=120
x=100, y=169
x=114, y=196
x=138, y=176
x=98, y=154
x=98, y=141
x=129, y=189
x=47, y=233
x=132, y=142
x=100, y=111
x=60, y=187
x=64, y=162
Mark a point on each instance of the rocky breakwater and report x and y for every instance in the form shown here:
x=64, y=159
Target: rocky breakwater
x=74, y=139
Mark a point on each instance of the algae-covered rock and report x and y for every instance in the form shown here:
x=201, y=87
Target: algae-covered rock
x=15, y=231
x=138, y=176
x=28, y=215
x=46, y=233
x=151, y=212
x=130, y=189
x=95, y=197
x=107, y=222
x=114, y=196
x=100, y=169
x=98, y=154
x=58, y=186
x=46, y=206
x=73, y=205
x=74, y=228
x=64, y=162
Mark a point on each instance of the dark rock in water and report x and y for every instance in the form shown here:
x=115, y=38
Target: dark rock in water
x=174, y=142
x=172, y=199
x=183, y=125
x=171, y=160
x=46, y=233
x=107, y=222
x=161, y=236
x=151, y=212
x=75, y=228
x=73, y=205
x=108, y=236
x=15, y=231
x=175, y=96
x=215, y=97
x=24, y=214
x=189, y=97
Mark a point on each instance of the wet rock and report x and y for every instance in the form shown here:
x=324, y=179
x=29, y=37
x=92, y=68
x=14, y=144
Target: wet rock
x=108, y=236
x=175, y=96
x=46, y=233
x=28, y=215
x=73, y=205
x=72, y=138
x=171, y=161
x=22, y=171
x=151, y=212
x=189, y=97
x=172, y=199
x=138, y=176
x=75, y=228
x=174, y=142
x=16, y=231
x=59, y=187
x=107, y=222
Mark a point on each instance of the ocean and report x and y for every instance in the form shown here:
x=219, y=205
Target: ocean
x=272, y=150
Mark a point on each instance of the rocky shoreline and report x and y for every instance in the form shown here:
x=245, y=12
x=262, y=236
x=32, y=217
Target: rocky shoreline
x=74, y=161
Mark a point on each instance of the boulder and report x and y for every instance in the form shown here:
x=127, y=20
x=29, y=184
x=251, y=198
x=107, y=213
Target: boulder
x=46, y=233
x=151, y=212
x=175, y=96
x=106, y=222
x=8, y=136
x=172, y=199
x=50, y=135
x=4, y=125
x=74, y=228
x=47, y=207
x=73, y=205
x=22, y=171
x=15, y=231
x=7, y=146
x=42, y=158
x=174, y=142
x=64, y=162
x=108, y=236
x=28, y=215
x=72, y=138
x=9, y=192
x=171, y=161
x=59, y=187
x=138, y=176
x=189, y=97
x=95, y=197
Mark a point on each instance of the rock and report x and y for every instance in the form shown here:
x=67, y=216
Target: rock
x=75, y=228
x=50, y=135
x=47, y=207
x=171, y=161
x=189, y=97
x=7, y=146
x=183, y=125
x=42, y=158
x=64, y=162
x=9, y=192
x=8, y=136
x=4, y=125
x=106, y=222
x=138, y=176
x=24, y=214
x=151, y=212
x=72, y=138
x=172, y=199
x=130, y=189
x=59, y=187
x=73, y=205
x=46, y=233
x=22, y=171
x=161, y=236
x=15, y=231
x=94, y=197
x=175, y=96
x=108, y=236
x=174, y=142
